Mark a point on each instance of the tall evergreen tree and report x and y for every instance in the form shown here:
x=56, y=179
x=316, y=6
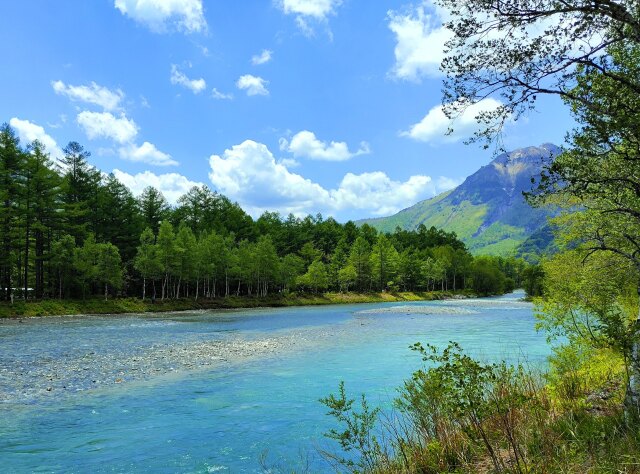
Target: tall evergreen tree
x=40, y=213
x=79, y=192
x=119, y=218
x=154, y=208
x=12, y=160
x=359, y=259
x=384, y=262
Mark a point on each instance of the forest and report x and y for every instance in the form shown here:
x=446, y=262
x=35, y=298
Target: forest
x=70, y=231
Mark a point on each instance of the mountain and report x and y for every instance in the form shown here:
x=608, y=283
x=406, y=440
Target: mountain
x=488, y=210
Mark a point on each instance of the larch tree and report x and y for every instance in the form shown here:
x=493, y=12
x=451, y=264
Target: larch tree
x=12, y=160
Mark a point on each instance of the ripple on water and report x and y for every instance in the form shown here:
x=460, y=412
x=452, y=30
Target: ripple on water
x=419, y=310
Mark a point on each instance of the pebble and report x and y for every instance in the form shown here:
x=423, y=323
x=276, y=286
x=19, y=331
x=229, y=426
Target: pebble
x=27, y=380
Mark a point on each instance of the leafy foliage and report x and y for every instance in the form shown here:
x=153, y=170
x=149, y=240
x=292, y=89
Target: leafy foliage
x=458, y=414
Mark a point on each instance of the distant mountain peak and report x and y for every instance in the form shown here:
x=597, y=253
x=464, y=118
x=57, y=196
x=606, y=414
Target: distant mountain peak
x=530, y=155
x=488, y=210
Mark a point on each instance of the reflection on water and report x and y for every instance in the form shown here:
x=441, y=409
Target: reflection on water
x=222, y=417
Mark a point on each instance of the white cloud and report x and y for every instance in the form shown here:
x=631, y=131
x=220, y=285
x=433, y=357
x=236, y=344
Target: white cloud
x=105, y=125
x=172, y=185
x=92, y=94
x=378, y=194
x=304, y=144
x=250, y=174
x=262, y=58
x=289, y=162
x=315, y=8
x=421, y=39
x=309, y=10
x=216, y=94
x=435, y=125
x=121, y=130
x=146, y=153
x=29, y=131
x=445, y=184
x=161, y=15
x=178, y=77
x=253, y=85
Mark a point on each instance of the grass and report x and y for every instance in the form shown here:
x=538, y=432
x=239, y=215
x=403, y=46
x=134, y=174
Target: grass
x=459, y=415
x=136, y=305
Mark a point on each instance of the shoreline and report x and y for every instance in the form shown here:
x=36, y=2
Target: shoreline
x=122, y=306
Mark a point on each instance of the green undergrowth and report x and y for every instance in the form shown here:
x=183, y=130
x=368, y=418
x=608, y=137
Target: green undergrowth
x=136, y=305
x=458, y=414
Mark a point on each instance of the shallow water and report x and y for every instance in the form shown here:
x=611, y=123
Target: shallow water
x=61, y=409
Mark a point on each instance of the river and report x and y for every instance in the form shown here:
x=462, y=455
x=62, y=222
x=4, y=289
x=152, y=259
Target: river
x=224, y=391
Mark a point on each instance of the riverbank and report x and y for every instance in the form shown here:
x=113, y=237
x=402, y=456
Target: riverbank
x=136, y=305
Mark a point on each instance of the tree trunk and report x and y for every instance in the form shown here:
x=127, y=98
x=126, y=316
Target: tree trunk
x=39, y=265
x=26, y=256
x=144, y=288
x=632, y=398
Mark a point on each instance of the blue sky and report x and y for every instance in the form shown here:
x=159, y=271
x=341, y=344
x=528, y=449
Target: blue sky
x=297, y=106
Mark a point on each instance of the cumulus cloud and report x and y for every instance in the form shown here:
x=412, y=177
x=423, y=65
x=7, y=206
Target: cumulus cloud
x=435, y=125
x=308, y=11
x=420, y=40
x=172, y=185
x=254, y=85
x=96, y=125
x=122, y=131
x=289, y=162
x=106, y=125
x=92, y=94
x=29, y=131
x=163, y=15
x=250, y=174
x=262, y=58
x=444, y=183
x=178, y=77
x=304, y=144
x=216, y=94
x=146, y=153
x=314, y=8
x=380, y=195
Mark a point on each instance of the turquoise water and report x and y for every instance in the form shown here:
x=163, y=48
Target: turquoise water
x=228, y=418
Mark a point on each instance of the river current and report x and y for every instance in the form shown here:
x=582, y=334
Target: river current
x=224, y=391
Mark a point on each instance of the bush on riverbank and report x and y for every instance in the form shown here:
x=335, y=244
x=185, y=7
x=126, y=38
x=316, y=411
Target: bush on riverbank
x=459, y=415
x=136, y=305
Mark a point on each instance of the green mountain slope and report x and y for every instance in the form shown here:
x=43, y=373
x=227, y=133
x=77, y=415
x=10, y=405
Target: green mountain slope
x=487, y=211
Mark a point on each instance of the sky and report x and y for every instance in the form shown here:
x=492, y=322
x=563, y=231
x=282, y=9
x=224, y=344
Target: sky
x=299, y=106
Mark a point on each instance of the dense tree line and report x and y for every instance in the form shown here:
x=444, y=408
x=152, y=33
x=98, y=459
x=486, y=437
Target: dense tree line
x=70, y=231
